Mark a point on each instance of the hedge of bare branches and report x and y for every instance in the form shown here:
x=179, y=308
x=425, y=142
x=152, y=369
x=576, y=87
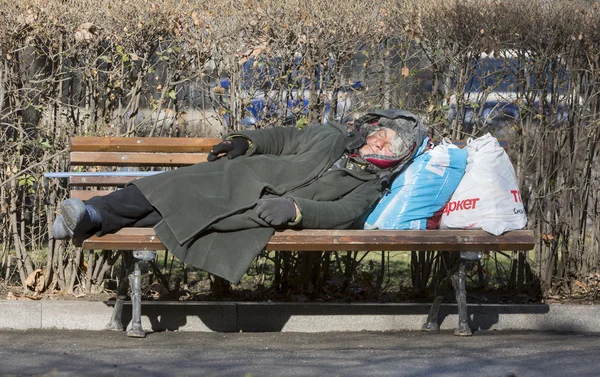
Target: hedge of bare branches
x=147, y=67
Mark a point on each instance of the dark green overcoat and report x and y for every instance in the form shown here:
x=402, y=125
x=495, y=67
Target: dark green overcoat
x=208, y=220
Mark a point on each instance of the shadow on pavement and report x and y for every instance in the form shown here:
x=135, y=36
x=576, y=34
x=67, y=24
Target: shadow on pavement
x=273, y=317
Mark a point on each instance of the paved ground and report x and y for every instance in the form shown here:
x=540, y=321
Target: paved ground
x=487, y=353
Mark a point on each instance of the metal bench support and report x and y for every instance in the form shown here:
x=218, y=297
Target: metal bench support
x=460, y=291
x=134, y=278
x=458, y=280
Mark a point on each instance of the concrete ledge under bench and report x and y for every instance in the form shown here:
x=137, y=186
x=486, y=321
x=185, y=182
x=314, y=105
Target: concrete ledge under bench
x=164, y=153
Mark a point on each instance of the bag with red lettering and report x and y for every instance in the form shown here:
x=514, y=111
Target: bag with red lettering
x=421, y=190
x=488, y=196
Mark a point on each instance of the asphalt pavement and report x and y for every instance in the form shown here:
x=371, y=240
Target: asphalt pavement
x=392, y=353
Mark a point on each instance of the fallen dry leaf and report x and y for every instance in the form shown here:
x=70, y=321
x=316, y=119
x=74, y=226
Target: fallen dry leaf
x=158, y=292
x=16, y=296
x=581, y=285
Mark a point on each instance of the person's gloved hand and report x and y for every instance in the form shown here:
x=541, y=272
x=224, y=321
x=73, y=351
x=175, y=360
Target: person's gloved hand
x=234, y=147
x=276, y=211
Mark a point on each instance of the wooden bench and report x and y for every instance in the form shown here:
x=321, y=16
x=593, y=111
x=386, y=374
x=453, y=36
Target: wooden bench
x=164, y=153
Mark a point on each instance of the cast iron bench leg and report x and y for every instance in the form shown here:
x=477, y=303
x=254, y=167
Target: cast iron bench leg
x=116, y=321
x=135, y=279
x=432, y=323
x=458, y=282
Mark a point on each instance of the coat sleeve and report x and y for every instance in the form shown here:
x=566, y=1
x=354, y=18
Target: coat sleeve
x=338, y=214
x=280, y=140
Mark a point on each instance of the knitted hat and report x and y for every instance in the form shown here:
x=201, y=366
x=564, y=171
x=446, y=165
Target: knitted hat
x=409, y=136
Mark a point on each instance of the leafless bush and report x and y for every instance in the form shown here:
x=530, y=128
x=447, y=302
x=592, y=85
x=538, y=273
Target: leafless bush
x=148, y=67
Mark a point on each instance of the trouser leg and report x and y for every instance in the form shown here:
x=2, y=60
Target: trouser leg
x=122, y=208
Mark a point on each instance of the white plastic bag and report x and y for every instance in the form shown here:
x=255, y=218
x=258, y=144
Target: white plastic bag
x=421, y=190
x=488, y=196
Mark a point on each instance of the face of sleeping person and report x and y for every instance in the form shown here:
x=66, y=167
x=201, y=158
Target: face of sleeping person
x=379, y=143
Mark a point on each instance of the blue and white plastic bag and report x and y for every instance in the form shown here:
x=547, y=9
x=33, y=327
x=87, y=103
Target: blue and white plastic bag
x=421, y=190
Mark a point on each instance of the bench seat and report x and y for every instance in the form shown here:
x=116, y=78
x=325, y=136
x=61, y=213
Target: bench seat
x=340, y=240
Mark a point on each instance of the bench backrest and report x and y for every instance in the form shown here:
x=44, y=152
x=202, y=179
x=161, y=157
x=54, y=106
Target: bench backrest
x=130, y=154
x=113, y=161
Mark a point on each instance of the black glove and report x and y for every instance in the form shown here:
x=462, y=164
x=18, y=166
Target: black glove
x=276, y=211
x=234, y=147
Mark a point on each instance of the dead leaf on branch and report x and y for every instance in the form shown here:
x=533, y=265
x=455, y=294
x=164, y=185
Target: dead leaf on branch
x=547, y=238
x=86, y=32
x=405, y=71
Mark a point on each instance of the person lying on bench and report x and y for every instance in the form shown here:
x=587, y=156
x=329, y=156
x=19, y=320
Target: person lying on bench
x=219, y=215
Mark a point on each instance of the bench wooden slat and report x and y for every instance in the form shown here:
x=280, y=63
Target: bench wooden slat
x=351, y=240
x=399, y=240
x=135, y=159
x=165, y=144
x=87, y=194
x=101, y=181
x=142, y=144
